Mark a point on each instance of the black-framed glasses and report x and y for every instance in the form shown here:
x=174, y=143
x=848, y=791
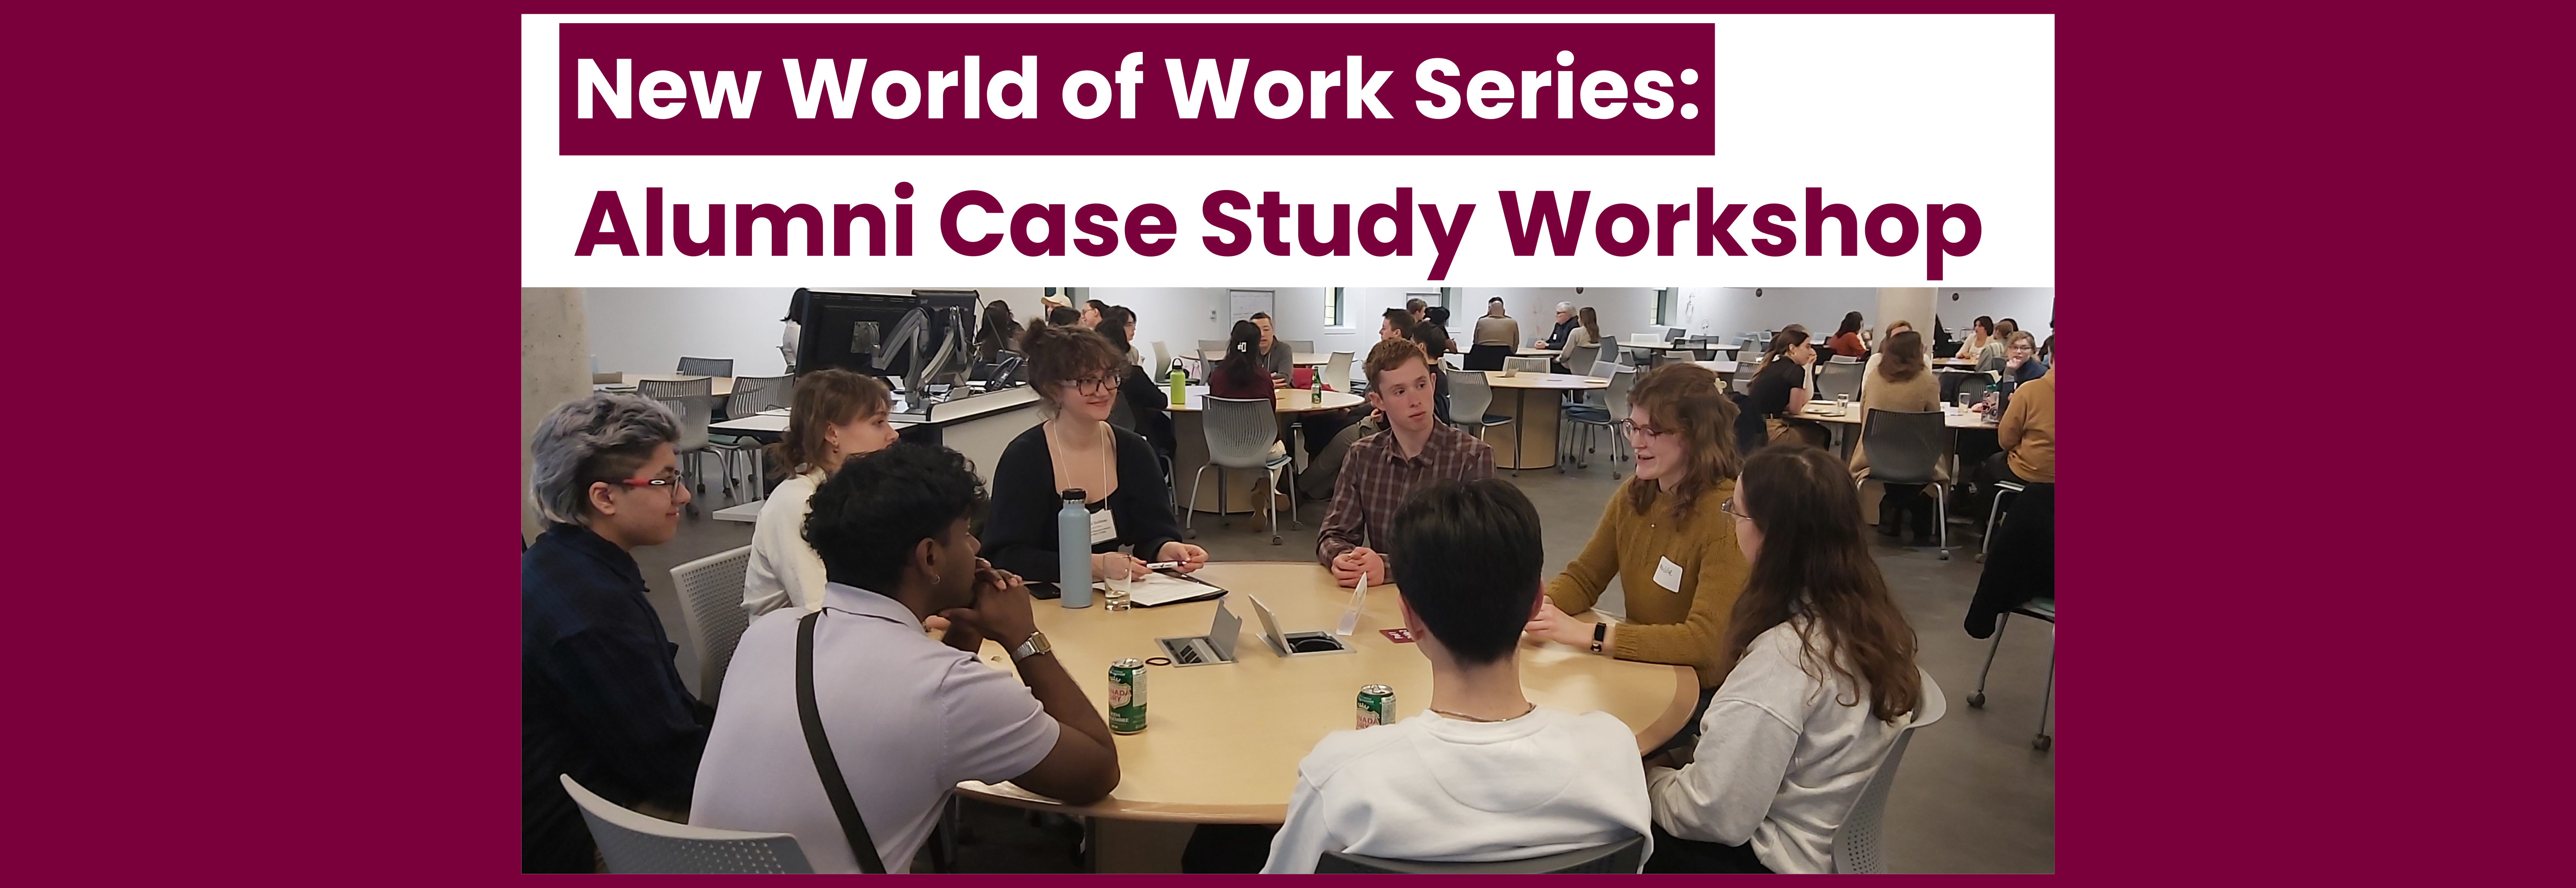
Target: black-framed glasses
x=1092, y=385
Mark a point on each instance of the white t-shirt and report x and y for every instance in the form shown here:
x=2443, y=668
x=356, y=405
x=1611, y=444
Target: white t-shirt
x=1433, y=788
x=784, y=567
x=908, y=718
x=1780, y=760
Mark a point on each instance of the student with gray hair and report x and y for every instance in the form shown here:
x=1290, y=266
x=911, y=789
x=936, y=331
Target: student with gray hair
x=599, y=698
x=1565, y=325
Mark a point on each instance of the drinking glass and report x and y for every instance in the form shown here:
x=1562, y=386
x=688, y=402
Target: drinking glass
x=1116, y=588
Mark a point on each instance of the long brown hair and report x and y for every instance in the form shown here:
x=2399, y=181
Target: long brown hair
x=1813, y=564
x=1591, y=322
x=1683, y=399
x=824, y=398
x=1783, y=341
x=1902, y=357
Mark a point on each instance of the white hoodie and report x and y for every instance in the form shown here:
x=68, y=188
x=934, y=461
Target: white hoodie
x=1433, y=788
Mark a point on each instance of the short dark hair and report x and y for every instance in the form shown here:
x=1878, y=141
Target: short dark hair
x=1260, y=316
x=1415, y=304
x=868, y=516
x=1433, y=339
x=1061, y=315
x=1467, y=560
x=1403, y=320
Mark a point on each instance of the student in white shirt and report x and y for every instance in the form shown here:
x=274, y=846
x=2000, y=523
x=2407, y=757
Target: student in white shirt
x=907, y=717
x=1821, y=684
x=835, y=415
x=1482, y=774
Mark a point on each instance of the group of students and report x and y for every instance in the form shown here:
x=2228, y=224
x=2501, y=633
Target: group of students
x=1752, y=571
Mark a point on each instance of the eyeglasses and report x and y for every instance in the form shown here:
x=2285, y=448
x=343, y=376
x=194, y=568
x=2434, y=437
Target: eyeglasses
x=668, y=483
x=1630, y=428
x=1729, y=508
x=1092, y=385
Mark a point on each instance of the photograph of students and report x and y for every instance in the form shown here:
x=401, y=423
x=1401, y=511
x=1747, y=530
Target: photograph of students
x=1077, y=374
x=1819, y=682
x=834, y=416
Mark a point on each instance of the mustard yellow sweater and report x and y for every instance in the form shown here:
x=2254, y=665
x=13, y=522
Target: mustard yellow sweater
x=1685, y=626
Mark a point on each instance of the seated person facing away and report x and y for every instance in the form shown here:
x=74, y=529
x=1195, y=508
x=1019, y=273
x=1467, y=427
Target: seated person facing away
x=1482, y=774
x=1241, y=374
x=1076, y=374
x=836, y=415
x=1902, y=383
x=906, y=717
x=1380, y=471
x=1662, y=535
x=1820, y=682
x=1434, y=342
x=599, y=698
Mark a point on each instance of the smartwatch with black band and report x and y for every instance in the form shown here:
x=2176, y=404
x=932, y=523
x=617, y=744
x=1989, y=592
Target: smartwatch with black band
x=1600, y=633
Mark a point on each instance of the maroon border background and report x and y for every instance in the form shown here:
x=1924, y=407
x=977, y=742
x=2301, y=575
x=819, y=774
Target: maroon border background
x=267, y=261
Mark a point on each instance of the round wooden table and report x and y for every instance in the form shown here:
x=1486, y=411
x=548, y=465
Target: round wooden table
x=1190, y=447
x=1312, y=359
x=1531, y=400
x=1221, y=742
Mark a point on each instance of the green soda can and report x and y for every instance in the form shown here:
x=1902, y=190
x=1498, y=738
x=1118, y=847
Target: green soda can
x=1377, y=705
x=1127, y=696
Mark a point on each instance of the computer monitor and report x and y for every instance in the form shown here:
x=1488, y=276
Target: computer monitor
x=856, y=332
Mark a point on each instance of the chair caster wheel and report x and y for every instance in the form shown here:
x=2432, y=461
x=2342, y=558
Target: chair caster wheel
x=1614, y=476
x=1981, y=558
x=1945, y=554
x=1977, y=700
x=1274, y=539
x=2041, y=742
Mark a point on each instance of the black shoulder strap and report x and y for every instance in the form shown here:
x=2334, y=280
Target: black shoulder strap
x=852, y=828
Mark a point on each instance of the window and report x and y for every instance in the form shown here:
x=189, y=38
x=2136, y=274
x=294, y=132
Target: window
x=1664, y=306
x=1333, y=307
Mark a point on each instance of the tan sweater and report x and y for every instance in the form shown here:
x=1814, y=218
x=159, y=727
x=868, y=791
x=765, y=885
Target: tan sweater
x=1492, y=330
x=2028, y=430
x=1922, y=394
x=1684, y=626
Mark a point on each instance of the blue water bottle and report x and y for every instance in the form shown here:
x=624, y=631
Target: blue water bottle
x=1073, y=551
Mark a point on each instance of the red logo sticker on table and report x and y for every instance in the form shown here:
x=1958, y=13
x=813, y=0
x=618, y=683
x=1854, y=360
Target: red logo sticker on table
x=1399, y=636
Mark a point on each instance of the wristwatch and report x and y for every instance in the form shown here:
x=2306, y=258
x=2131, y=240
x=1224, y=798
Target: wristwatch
x=1600, y=633
x=1037, y=644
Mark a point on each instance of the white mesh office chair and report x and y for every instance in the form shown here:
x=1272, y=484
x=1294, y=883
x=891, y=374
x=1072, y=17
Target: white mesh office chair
x=694, y=412
x=751, y=394
x=1579, y=357
x=1469, y=400
x=711, y=611
x=1336, y=371
x=1239, y=434
x=1624, y=856
x=1533, y=364
x=706, y=366
x=1857, y=842
x=1162, y=359
x=635, y=843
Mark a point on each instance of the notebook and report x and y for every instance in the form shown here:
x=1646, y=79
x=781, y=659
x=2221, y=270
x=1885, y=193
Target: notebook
x=1158, y=589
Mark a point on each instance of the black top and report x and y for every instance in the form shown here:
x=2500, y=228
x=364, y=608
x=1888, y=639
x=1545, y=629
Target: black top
x=1020, y=537
x=1768, y=394
x=599, y=698
x=1556, y=338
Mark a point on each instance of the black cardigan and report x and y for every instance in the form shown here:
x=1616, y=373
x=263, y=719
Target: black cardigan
x=1020, y=537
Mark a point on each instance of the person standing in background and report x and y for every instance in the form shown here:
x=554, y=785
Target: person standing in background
x=1496, y=335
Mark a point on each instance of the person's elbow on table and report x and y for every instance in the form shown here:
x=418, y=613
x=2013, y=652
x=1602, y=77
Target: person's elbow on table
x=1080, y=769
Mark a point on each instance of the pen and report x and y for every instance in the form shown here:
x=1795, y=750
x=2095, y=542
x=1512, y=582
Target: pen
x=1162, y=565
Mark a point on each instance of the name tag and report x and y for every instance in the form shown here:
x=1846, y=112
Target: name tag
x=1668, y=575
x=1104, y=527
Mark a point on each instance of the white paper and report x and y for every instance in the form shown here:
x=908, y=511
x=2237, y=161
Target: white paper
x=1157, y=589
x=1668, y=575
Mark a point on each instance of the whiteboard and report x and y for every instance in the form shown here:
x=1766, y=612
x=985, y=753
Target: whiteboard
x=1251, y=302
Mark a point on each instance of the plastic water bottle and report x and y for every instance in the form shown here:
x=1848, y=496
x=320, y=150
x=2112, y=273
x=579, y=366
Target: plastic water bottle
x=1180, y=383
x=1073, y=551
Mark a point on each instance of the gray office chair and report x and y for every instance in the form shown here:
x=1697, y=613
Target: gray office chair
x=1577, y=358
x=1623, y=856
x=1296, y=346
x=751, y=394
x=635, y=843
x=1239, y=434
x=1953, y=380
x=2037, y=609
x=711, y=610
x=1905, y=448
x=706, y=366
x=1839, y=379
x=1987, y=544
x=1469, y=400
x=694, y=412
x=1583, y=418
x=1856, y=842
x=666, y=389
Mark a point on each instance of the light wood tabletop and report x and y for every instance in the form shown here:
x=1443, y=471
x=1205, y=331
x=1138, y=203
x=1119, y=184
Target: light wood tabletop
x=1539, y=352
x=1953, y=417
x=1291, y=400
x=1221, y=742
x=1312, y=359
x=1719, y=366
x=723, y=385
x=1566, y=381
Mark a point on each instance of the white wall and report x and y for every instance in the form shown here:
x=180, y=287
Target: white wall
x=2031, y=306
x=1728, y=311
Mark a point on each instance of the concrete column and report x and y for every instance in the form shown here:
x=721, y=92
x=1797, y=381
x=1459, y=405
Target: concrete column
x=554, y=367
x=1911, y=304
